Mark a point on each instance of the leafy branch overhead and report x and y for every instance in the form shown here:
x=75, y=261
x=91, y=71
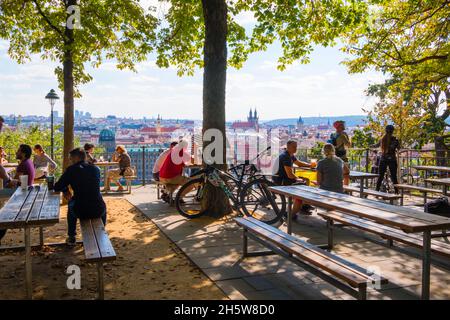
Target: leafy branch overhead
x=296, y=25
x=110, y=29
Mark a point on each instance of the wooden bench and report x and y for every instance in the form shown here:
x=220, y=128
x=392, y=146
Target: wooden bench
x=391, y=197
x=385, y=232
x=344, y=275
x=408, y=187
x=97, y=248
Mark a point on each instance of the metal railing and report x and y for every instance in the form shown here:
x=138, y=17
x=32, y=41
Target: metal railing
x=143, y=159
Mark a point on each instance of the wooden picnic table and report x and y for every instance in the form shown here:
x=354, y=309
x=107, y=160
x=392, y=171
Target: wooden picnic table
x=363, y=178
x=405, y=219
x=105, y=165
x=444, y=182
x=35, y=207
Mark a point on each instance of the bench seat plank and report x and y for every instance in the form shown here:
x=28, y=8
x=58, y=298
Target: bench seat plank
x=104, y=244
x=91, y=250
x=315, y=256
x=386, y=232
x=418, y=188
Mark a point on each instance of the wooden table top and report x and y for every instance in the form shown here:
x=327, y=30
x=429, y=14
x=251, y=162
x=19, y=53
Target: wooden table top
x=32, y=207
x=365, y=175
x=444, y=181
x=432, y=168
x=408, y=220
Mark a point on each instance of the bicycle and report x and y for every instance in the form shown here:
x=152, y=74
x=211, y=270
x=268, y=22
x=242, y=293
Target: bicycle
x=248, y=192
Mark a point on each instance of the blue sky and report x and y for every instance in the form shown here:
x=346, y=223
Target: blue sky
x=322, y=87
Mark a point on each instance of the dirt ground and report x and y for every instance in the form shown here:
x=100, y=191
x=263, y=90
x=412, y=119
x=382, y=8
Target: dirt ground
x=148, y=265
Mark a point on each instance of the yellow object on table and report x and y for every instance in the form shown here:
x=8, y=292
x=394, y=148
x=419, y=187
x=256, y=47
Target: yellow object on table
x=308, y=175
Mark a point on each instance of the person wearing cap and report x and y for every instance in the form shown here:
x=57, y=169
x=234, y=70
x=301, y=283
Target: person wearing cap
x=389, y=145
x=123, y=158
x=341, y=142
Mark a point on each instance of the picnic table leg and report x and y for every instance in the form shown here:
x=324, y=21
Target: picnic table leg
x=245, y=244
x=101, y=291
x=426, y=265
x=330, y=234
x=361, y=188
x=41, y=236
x=28, y=278
x=289, y=217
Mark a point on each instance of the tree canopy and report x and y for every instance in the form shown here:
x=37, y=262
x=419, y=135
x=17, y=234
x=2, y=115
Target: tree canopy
x=107, y=29
x=296, y=25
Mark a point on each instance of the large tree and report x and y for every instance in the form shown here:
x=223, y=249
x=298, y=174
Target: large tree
x=75, y=33
x=200, y=34
x=408, y=41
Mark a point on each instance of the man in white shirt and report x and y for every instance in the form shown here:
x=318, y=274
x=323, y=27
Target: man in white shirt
x=160, y=160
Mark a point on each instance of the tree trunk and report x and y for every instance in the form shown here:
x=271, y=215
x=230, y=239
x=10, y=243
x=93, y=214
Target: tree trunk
x=214, y=84
x=68, y=92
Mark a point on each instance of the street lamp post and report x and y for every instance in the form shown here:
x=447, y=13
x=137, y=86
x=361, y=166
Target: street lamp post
x=52, y=97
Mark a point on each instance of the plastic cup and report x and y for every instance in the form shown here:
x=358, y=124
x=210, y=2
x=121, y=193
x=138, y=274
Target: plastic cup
x=24, y=181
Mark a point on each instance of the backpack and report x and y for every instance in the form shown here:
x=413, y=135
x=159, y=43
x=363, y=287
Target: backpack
x=440, y=206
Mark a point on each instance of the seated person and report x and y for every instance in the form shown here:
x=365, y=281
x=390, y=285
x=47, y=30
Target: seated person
x=171, y=171
x=124, y=169
x=160, y=160
x=89, y=149
x=25, y=166
x=86, y=201
x=3, y=156
x=42, y=162
x=331, y=171
x=285, y=174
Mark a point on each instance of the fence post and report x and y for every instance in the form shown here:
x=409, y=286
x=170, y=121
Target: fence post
x=367, y=160
x=143, y=166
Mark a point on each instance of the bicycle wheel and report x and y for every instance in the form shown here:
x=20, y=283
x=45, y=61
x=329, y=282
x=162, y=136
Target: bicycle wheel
x=258, y=202
x=188, y=199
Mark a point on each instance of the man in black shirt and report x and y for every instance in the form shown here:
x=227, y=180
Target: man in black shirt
x=87, y=201
x=285, y=174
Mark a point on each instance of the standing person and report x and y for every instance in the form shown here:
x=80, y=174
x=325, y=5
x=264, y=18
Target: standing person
x=42, y=162
x=331, y=170
x=389, y=145
x=341, y=142
x=89, y=149
x=160, y=160
x=285, y=176
x=86, y=201
x=123, y=158
x=26, y=166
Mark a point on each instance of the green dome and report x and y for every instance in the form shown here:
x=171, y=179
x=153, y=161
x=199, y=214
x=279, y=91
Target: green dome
x=106, y=135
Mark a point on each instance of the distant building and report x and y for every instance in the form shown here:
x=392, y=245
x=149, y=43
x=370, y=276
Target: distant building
x=107, y=139
x=300, y=124
x=252, y=122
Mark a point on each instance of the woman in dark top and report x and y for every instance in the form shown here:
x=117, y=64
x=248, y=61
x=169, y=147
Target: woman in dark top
x=389, y=145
